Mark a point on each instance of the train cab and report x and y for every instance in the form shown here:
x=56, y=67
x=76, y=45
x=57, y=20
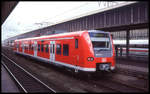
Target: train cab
x=98, y=51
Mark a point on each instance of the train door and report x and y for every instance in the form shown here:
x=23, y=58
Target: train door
x=35, y=48
x=52, y=51
x=76, y=52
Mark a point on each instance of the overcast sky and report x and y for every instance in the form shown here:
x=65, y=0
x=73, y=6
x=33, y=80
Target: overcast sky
x=27, y=16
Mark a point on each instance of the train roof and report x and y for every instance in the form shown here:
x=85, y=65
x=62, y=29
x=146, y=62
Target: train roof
x=66, y=34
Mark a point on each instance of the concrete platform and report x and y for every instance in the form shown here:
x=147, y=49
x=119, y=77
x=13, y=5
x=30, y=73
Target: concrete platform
x=7, y=83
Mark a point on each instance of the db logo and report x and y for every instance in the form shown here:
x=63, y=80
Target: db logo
x=104, y=60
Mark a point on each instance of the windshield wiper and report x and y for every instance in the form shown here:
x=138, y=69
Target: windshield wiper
x=101, y=50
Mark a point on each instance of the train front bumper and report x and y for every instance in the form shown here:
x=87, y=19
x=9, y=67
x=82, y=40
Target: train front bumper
x=104, y=67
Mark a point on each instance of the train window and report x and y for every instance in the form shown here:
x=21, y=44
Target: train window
x=22, y=46
x=32, y=47
x=65, y=49
x=38, y=47
x=76, y=43
x=25, y=47
x=100, y=44
x=51, y=48
x=46, y=49
x=35, y=46
x=42, y=47
x=58, y=49
x=29, y=46
x=16, y=45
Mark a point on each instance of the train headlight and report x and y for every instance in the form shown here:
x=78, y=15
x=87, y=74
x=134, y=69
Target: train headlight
x=90, y=58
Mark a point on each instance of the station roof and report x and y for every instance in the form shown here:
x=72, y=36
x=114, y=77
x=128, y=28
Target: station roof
x=17, y=26
x=95, y=11
x=7, y=7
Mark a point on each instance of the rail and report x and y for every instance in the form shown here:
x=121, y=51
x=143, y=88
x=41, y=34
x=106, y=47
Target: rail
x=26, y=80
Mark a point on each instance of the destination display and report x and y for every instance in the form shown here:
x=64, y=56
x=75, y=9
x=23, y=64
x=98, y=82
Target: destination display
x=92, y=34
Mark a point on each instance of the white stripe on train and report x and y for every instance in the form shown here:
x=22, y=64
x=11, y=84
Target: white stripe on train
x=64, y=64
x=61, y=63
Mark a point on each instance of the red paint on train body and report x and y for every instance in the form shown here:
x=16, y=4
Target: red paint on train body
x=88, y=50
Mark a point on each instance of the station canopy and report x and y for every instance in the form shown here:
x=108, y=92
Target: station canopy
x=29, y=16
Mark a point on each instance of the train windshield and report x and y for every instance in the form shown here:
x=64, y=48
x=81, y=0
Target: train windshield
x=100, y=41
x=100, y=44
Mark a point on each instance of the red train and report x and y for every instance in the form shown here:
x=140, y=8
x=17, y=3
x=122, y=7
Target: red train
x=88, y=50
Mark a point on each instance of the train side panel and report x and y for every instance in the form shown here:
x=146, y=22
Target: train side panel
x=69, y=50
x=64, y=51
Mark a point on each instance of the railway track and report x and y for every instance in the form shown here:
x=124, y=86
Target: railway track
x=114, y=85
x=25, y=80
x=137, y=74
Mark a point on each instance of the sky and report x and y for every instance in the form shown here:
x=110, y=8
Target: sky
x=31, y=15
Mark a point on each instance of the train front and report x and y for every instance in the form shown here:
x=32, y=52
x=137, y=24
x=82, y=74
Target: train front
x=102, y=49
